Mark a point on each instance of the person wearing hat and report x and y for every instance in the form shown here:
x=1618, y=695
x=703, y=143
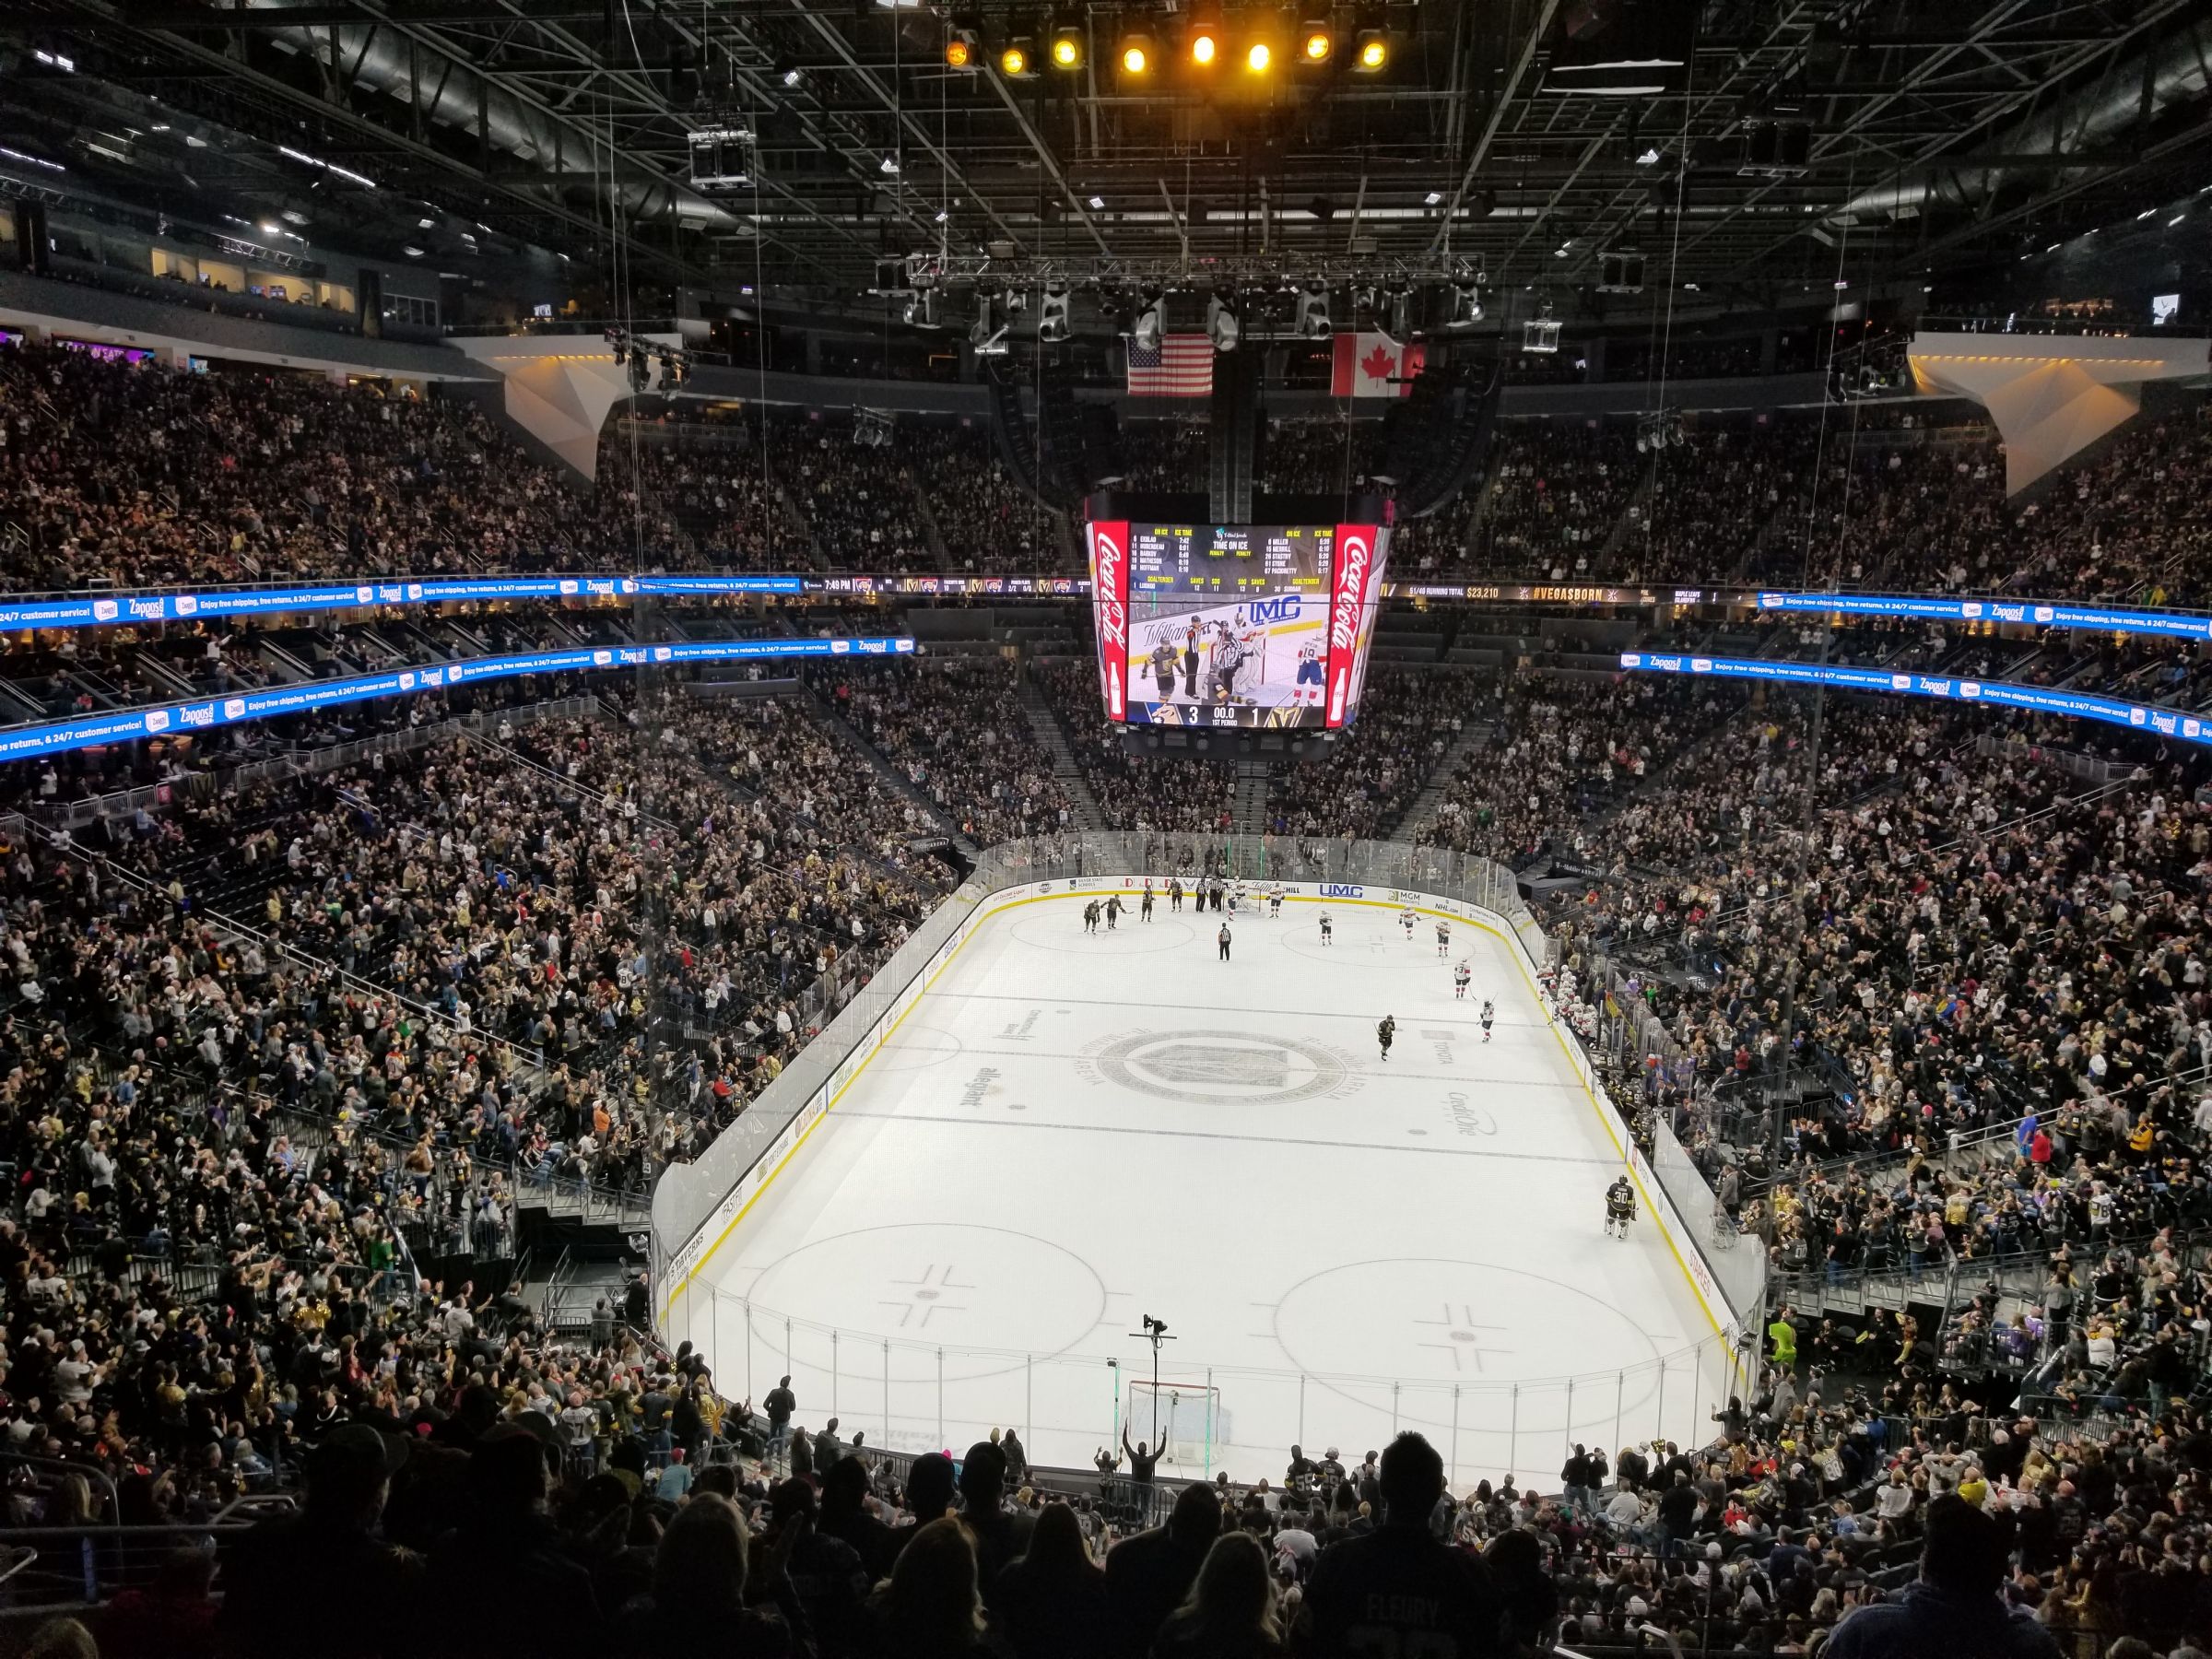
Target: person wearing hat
x=290, y=1574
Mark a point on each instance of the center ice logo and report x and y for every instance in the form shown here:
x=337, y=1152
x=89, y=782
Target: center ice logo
x=1228, y=1067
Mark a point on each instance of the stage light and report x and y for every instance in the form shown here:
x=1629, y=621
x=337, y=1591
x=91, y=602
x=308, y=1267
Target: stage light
x=1067, y=49
x=1151, y=321
x=1373, y=51
x=1136, y=55
x=1258, y=56
x=1221, y=325
x=1053, y=320
x=1314, y=313
x=960, y=51
x=1014, y=62
x=1318, y=43
x=1203, y=45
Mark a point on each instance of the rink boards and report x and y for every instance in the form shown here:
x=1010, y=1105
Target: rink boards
x=714, y=1289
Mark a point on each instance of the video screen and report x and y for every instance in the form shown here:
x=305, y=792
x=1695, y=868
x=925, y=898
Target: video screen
x=1219, y=625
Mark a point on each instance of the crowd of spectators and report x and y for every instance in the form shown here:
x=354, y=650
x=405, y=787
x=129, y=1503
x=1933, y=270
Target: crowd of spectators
x=1408, y=721
x=127, y=475
x=1183, y=793
x=958, y=732
x=276, y=1061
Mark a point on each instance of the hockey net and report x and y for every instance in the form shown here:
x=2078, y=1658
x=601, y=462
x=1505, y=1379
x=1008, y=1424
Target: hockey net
x=1192, y=1423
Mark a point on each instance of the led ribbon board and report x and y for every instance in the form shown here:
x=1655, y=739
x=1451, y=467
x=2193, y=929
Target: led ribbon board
x=2033, y=613
x=2009, y=694
x=178, y=719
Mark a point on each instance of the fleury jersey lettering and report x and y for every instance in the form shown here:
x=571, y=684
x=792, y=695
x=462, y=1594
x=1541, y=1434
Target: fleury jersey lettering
x=1398, y=1594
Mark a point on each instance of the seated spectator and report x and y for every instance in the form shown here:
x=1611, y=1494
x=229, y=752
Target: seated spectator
x=1955, y=1607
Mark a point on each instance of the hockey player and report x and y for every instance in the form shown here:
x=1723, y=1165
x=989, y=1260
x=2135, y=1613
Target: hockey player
x=1326, y=929
x=1163, y=669
x=1090, y=917
x=1488, y=1013
x=1443, y=940
x=1405, y=921
x=1175, y=895
x=1114, y=910
x=1309, y=674
x=1460, y=976
x=1385, y=1030
x=1144, y=912
x=1620, y=1208
x=1274, y=903
x=1235, y=894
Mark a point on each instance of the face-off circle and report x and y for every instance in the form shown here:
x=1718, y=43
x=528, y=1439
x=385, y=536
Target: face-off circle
x=902, y=1292
x=1207, y=1067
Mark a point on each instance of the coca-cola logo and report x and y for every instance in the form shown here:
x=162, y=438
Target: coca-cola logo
x=1113, y=614
x=1351, y=584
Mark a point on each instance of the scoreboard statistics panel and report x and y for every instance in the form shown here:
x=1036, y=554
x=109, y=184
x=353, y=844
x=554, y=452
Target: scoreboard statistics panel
x=1234, y=625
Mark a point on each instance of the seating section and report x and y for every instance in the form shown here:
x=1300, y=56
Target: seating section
x=319, y=1044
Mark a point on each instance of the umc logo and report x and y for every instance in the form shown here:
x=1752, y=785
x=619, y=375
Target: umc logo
x=1284, y=608
x=1330, y=889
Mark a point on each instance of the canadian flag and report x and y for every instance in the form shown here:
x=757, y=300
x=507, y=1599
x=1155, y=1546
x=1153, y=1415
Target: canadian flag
x=1375, y=365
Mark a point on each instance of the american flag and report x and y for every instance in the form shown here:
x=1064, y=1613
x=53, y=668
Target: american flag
x=1179, y=366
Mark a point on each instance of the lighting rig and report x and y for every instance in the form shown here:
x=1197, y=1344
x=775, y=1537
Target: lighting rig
x=1205, y=47
x=1660, y=429
x=1243, y=299
x=1541, y=333
x=652, y=366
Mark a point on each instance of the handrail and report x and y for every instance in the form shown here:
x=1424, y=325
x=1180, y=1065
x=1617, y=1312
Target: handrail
x=532, y=1058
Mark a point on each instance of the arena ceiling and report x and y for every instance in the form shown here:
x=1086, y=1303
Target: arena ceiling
x=1795, y=142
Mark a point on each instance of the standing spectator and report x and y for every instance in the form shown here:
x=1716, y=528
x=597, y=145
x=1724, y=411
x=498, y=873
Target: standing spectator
x=778, y=1406
x=1957, y=1607
x=1050, y=1603
x=291, y=1572
x=1148, y=1576
x=1397, y=1589
x=1230, y=1611
x=929, y=1607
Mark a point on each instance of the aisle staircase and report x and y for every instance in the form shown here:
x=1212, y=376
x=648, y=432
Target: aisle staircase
x=1250, y=807
x=1053, y=742
x=1471, y=738
x=933, y=536
x=841, y=731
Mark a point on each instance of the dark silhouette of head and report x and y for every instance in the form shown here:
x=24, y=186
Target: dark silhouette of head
x=1412, y=1479
x=1963, y=1550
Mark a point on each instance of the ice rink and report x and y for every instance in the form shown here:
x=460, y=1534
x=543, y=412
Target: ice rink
x=1069, y=1132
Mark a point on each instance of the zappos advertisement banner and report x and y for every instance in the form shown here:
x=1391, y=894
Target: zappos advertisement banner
x=2032, y=613
x=2041, y=699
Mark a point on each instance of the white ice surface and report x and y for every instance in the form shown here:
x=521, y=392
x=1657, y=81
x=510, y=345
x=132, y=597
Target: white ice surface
x=1070, y=1132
